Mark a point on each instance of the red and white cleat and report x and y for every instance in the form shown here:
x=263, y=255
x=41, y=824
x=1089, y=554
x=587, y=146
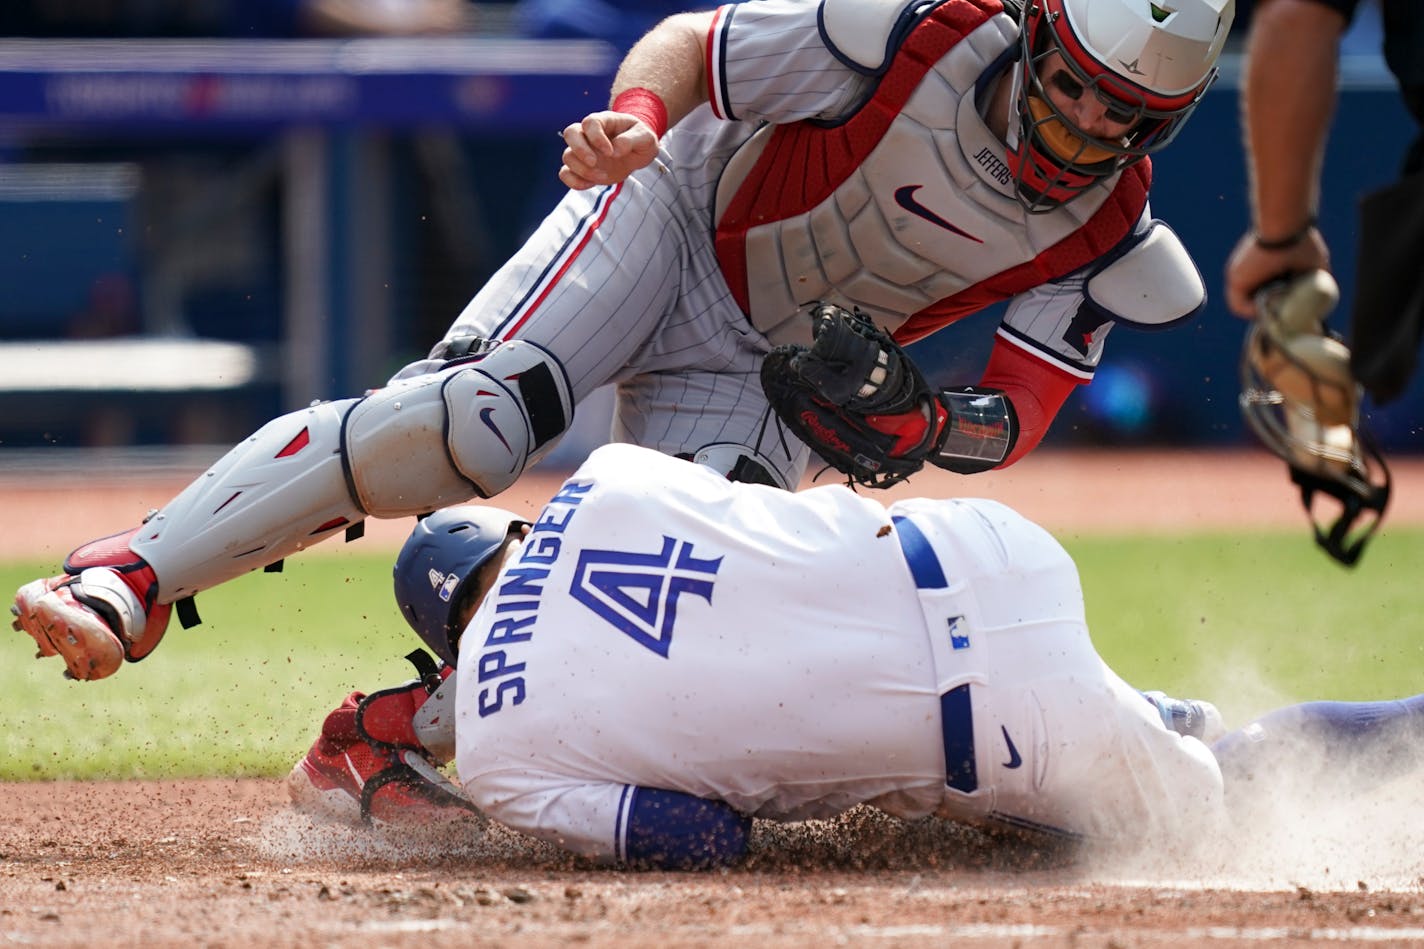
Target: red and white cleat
x=54, y=613
x=101, y=611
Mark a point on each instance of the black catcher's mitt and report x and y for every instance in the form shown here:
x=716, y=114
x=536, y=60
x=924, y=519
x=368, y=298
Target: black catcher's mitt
x=855, y=398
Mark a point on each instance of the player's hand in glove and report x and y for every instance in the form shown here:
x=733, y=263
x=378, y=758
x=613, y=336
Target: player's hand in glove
x=855, y=364
x=859, y=401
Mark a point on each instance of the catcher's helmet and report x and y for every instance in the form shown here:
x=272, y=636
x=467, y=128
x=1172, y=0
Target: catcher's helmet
x=1149, y=62
x=441, y=555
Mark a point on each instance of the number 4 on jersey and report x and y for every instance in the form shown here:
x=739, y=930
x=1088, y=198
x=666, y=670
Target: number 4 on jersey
x=637, y=593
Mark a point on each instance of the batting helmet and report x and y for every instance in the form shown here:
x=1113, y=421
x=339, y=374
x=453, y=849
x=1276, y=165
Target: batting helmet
x=437, y=562
x=1148, y=61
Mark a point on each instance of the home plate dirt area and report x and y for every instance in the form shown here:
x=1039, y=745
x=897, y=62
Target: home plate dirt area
x=225, y=863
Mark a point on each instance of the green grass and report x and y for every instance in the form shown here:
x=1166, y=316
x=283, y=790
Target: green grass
x=1249, y=621
x=1254, y=621
x=244, y=693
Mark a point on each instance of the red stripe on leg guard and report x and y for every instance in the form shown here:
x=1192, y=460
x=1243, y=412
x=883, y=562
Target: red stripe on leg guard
x=332, y=524
x=302, y=440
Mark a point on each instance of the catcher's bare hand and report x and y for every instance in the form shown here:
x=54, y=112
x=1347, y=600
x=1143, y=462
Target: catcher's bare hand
x=605, y=148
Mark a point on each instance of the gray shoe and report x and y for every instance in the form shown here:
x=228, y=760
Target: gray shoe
x=1190, y=718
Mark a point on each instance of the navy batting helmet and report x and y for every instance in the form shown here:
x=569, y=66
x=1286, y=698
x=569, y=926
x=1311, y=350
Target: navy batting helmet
x=439, y=558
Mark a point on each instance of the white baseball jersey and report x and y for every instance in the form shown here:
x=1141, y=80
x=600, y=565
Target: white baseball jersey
x=674, y=283
x=793, y=655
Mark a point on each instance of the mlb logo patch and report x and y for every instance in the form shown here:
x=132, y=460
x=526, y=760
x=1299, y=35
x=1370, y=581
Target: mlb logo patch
x=443, y=585
x=958, y=639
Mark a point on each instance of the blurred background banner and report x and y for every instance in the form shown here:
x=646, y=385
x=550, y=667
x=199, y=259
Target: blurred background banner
x=200, y=232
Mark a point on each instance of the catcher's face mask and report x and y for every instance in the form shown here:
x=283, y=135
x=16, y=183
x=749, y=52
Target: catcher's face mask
x=1147, y=63
x=1299, y=397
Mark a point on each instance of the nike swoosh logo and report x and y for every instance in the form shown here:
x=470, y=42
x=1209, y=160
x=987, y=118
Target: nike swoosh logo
x=351, y=767
x=905, y=197
x=1014, y=759
x=485, y=414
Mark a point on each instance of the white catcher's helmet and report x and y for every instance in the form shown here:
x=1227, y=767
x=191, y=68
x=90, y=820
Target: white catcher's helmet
x=1149, y=62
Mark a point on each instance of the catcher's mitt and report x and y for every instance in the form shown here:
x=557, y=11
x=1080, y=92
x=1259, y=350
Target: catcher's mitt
x=856, y=398
x=1298, y=395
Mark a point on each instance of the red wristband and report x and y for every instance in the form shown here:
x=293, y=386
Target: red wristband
x=643, y=104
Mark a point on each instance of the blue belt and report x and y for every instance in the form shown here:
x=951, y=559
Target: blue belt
x=956, y=715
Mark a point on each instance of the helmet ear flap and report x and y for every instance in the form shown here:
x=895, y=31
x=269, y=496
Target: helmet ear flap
x=438, y=564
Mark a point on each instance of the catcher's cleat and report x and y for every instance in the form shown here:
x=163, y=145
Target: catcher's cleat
x=140, y=631
x=350, y=777
x=51, y=612
x=101, y=611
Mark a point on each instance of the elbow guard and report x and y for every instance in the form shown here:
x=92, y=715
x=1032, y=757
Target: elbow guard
x=980, y=430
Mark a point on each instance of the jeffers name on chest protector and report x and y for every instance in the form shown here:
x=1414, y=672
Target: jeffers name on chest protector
x=918, y=211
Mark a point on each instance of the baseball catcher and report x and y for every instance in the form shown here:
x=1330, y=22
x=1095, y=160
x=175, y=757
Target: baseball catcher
x=1298, y=395
x=862, y=404
x=918, y=161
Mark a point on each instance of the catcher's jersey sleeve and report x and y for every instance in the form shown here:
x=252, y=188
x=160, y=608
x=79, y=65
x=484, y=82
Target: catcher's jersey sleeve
x=768, y=61
x=1053, y=337
x=1035, y=388
x=1148, y=282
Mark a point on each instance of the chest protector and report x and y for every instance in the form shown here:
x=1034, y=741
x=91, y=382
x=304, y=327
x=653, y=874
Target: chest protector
x=906, y=209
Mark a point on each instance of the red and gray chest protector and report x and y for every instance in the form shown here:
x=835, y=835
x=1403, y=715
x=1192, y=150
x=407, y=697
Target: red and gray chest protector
x=907, y=209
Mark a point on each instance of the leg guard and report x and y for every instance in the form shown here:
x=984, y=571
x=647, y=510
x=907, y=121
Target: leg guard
x=140, y=629
x=419, y=715
x=416, y=446
x=471, y=428
x=280, y=491
x=434, y=722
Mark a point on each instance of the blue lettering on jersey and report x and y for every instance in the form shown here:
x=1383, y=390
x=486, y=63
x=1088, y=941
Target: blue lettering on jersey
x=520, y=582
x=516, y=602
x=553, y=518
x=637, y=593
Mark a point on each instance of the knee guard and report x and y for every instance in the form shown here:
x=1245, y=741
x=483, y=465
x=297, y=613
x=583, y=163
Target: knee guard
x=471, y=428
